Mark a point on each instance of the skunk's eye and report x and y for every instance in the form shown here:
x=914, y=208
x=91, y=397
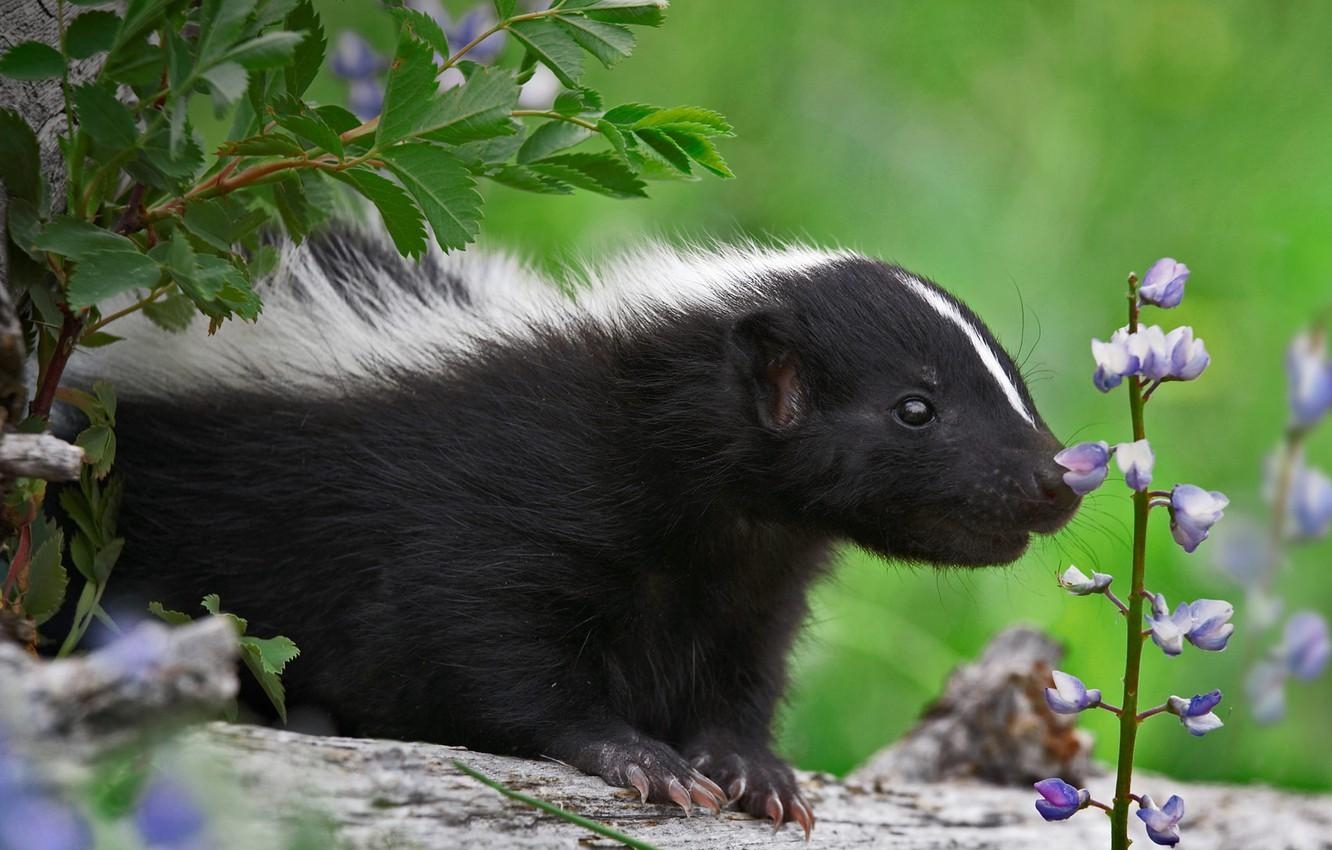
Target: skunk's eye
x=914, y=412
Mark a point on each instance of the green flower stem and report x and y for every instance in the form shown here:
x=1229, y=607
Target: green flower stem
x=120, y=314
x=550, y=808
x=1128, y=718
x=554, y=116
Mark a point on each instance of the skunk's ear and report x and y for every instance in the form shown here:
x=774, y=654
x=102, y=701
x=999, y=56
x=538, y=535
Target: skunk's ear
x=766, y=356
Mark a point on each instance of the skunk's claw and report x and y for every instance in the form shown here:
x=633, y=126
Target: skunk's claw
x=659, y=775
x=758, y=783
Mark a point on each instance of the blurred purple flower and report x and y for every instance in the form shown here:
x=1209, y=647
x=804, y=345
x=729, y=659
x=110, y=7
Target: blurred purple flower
x=1168, y=629
x=1306, y=647
x=1265, y=687
x=1077, y=583
x=1163, y=285
x=1087, y=465
x=1187, y=354
x=1196, y=713
x=365, y=98
x=1310, y=376
x=1136, y=461
x=1114, y=360
x=1310, y=503
x=1149, y=346
x=1059, y=800
x=354, y=59
x=1163, y=823
x=1069, y=695
x=34, y=822
x=1210, y=627
x=167, y=815
x=1193, y=512
x=137, y=653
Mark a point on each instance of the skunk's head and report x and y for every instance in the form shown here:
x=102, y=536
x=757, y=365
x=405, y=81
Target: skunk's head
x=887, y=413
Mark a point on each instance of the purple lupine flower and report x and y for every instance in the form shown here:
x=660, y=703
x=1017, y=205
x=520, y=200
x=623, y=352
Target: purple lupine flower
x=1077, y=583
x=1310, y=503
x=471, y=25
x=1193, y=512
x=1114, y=360
x=1306, y=647
x=354, y=59
x=1163, y=823
x=1265, y=687
x=35, y=822
x=167, y=815
x=1168, y=629
x=1196, y=713
x=1163, y=285
x=1187, y=354
x=1059, y=800
x=1087, y=465
x=1310, y=376
x=1149, y=347
x=1069, y=695
x=1136, y=461
x=365, y=98
x=1210, y=627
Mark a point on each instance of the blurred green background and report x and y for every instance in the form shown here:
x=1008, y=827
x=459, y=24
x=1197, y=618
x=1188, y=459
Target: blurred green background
x=1026, y=155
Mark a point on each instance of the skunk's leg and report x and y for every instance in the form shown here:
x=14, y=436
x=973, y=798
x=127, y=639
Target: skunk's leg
x=754, y=777
x=629, y=759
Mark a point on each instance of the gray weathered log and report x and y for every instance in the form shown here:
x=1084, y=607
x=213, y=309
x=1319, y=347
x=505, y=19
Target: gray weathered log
x=39, y=456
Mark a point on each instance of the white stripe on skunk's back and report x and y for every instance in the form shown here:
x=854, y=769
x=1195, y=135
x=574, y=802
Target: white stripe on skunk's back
x=312, y=338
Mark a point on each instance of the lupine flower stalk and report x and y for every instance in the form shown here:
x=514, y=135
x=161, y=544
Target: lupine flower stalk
x=1145, y=358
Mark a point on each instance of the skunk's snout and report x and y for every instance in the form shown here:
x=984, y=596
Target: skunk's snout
x=1050, y=503
x=1048, y=485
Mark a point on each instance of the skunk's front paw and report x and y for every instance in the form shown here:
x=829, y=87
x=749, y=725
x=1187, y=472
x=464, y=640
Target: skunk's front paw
x=758, y=783
x=660, y=775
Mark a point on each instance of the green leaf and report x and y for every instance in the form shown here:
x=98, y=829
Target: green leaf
x=98, y=339
x=76, y=508
x=270, y=50
x=411, y=95
x=101, y=274
x=275, y=653
x=646, y=13
x=106, y=559
x=477, y=109
x=104, y=118
x=666, y=147
x=179, y=259
x=140, y=17
x=309, y=55
x=106, y=397
x=603, y=173
x=554, y=46
x=529, y=180
x=140, y=66
x=175, y=618
x=293, y=208
x=341, y=120
x=32, y=60
x=47, y=580
x=269, y=682
x=627, y=114
x=269, y=144
x=551, y=137
x=496, y=150
x=576, y=101
x=614, y=136
x=227, y=83
x=442, y=187
x=504, y=8
x=212, y=603
x=423, y=27
x=20, y=159
x=173, y=313
x=70, y=237
x=685, y=115
x=221, y=23
x=608, y=42
x=293, y=115
x=211, y=222
x=402, y=218
x=702, y=151
x=91, y=33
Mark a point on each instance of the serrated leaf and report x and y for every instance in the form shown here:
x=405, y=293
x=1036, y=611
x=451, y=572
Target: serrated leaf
x=211, y=222
x=504, y=8
x=442, y=187
x=140, y=17
x=94, y=441
x=554, y=46
x=549, y=138
x=269, y=682
x=70, y=237
x=47, y=580
x=580, y=100
x=498, y=149
x=309, y=55
x=275, y=653
x=157, y=155
x=685, y=115
x=106, y=397
x=608, y=42
x=173, y=313
x=424, y=27
x=293, y=208
x=529, y=180
x=411, y=94
x=268, y=144
x=140, y=66
x=702, y=151
x=603, y=173
x=105, y=559
x=227, y=83
x=104, y=118
x=613, y=135
x=402, y=218
x=101, y=274
x=98, y=339
x=340, y=119
x=20, y=159
x=221, y=23
x=646, y=13
x=91, y=33
x=32, y=60
x=270, y=50
x=291, y=114
x=665, y=147
x=626, y=114
x=175, y=618
x=477, y=109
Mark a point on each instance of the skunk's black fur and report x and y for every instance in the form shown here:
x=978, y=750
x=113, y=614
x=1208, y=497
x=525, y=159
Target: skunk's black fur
x=586, y=537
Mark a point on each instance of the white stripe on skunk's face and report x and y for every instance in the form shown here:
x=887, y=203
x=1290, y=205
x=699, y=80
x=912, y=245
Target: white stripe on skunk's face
x=988, y=358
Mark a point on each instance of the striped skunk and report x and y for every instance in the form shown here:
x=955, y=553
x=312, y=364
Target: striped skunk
x=579, y=527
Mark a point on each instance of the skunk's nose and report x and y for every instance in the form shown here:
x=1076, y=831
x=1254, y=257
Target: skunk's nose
x=1048, y=485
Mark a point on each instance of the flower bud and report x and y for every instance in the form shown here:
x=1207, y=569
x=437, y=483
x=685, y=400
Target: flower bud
x=1196, y=713
x=1069, y=695
x=1136, y=461
x=1193, y=512
x=1077, y=583
x=1163, y=823
x=1087, y=465
x=1059, y=800
x=1163, y=285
